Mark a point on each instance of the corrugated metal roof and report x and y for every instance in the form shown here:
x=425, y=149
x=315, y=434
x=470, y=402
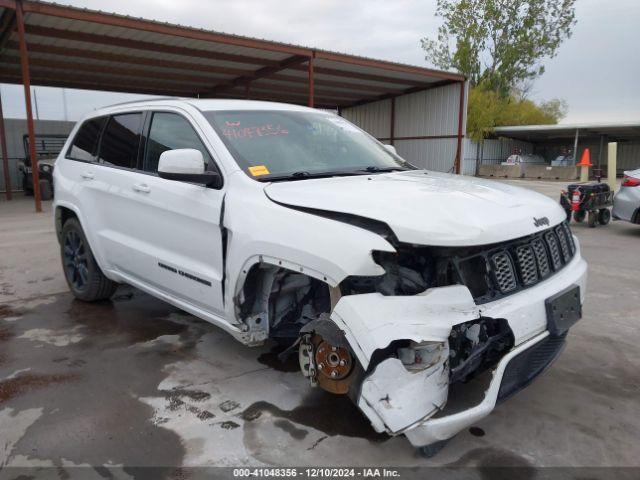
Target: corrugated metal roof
x=613, y=130
x=83, y=48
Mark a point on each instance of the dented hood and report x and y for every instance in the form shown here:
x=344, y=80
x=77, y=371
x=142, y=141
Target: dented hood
x=428, y=208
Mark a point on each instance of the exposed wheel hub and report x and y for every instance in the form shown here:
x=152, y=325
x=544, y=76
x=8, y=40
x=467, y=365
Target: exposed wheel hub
x=333, y=362
x=328, y=366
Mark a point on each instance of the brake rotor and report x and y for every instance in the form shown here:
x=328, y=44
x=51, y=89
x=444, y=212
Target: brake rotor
x=334, y=366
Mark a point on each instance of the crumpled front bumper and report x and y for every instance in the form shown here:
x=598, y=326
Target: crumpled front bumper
x=443, y=428
x=413, y=405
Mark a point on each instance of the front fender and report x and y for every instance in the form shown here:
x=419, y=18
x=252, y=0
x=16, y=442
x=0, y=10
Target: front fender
x=263, y=231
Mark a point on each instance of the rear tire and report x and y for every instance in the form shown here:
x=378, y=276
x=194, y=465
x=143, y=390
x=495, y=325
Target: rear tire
x=604, y=216
x=84, y=277
x=46, y=192
x=593, y=218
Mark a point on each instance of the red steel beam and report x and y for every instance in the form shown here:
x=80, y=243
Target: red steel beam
x=26, y=82
x=458, y=159
x=109, y=70
x=391, y=66
x=79, y=53
x=311, y=85
x=93, y=83
x=157, y=27
x=357, y=87
x=5, y=155
x=334, y=72
x=258, y=74
x=111, y=41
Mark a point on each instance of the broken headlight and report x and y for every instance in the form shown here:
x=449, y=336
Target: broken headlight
x=420, y=356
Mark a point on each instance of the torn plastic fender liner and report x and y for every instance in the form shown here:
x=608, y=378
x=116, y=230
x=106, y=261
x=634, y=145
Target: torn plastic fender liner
x=394, y=398
x=372, y=321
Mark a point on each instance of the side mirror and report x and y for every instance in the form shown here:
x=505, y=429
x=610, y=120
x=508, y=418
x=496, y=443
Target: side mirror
x=186, y=165
x=391, y=148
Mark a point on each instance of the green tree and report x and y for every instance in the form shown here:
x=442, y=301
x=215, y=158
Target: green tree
x=488, y=109
x=499, y=43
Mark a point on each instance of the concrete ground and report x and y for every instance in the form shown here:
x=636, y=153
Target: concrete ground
x=136, y=382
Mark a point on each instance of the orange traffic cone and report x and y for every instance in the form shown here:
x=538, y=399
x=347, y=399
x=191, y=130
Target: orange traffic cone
x=585, y=160
x=585, y=163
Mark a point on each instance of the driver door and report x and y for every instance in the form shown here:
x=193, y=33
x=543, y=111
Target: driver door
x=177, y=223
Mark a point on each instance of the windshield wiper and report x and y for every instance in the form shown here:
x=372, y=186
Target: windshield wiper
x=374, y=169
x=303, y=175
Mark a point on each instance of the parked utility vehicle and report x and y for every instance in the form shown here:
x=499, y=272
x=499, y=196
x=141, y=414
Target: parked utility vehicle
x=47, y=149
x=404, y=289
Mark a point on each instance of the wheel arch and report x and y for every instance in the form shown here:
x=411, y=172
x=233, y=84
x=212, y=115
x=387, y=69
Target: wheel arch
x=65, y=211
x=62, y=214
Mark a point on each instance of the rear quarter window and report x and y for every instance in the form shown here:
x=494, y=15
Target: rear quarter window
x=85, y=143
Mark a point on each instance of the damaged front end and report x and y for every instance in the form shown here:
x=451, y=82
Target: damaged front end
x=423, y=349
x=400, y=383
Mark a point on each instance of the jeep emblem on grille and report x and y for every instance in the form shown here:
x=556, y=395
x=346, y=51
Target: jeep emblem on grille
x=539, y=222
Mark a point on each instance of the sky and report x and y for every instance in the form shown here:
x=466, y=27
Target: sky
x=597, y=70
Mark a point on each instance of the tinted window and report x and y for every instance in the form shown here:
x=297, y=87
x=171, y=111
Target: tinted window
x=120, y=140
x=170, y=131
x=85, y=143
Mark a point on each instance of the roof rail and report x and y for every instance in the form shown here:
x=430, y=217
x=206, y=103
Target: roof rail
x=159, y=99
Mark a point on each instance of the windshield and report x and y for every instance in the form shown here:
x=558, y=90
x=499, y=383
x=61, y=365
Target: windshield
x=281, y=145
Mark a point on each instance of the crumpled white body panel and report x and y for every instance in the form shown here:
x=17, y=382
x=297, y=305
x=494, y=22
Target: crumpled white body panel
x=389, y=395
x=372, y=321
x=398, y=401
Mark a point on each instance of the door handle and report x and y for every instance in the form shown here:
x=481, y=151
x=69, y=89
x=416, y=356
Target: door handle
x=141, y=187
x=87, y=175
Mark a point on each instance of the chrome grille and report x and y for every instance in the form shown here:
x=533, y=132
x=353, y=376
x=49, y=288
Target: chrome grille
x=541, y=257
x=503, y=271
x=527, y=265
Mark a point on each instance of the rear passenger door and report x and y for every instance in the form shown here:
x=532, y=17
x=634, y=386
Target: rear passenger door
x=108, y=191
x=175, y=225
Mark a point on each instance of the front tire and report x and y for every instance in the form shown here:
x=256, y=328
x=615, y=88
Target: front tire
x=84, y=277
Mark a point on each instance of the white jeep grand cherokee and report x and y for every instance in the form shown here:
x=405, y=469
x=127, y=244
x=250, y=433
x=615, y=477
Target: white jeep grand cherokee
x=408, y=290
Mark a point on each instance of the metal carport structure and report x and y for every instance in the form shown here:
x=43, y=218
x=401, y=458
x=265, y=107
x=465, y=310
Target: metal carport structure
x=549, y=140
x=60, y=46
